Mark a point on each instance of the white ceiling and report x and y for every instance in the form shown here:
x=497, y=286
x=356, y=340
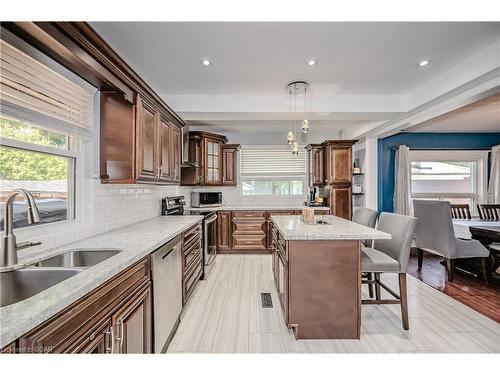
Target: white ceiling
x=481, y=116
x=261, y=58
x=364, y=76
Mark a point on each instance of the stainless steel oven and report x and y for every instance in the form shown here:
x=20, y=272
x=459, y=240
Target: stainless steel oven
x=206, y=198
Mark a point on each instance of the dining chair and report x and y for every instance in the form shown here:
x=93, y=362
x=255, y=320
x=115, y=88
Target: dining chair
x=489, y=211
x=460, y=211
x=435, y=234
x=390, y=256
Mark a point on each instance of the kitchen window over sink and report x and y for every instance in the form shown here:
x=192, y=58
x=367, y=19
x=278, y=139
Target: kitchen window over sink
x=46, y=113
x=272, y=171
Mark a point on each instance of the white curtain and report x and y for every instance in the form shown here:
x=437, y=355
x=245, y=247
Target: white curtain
x=494, y=184
x=402, y=181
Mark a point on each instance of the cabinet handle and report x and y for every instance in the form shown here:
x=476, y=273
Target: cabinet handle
x=121, y=334
x=160, y=169
x=109, y=333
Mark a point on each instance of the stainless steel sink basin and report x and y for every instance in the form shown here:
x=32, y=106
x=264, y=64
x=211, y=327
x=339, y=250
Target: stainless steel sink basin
x=77, y=258
x=23, y=283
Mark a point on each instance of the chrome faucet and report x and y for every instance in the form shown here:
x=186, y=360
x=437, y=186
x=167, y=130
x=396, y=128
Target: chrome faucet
x=8, y=254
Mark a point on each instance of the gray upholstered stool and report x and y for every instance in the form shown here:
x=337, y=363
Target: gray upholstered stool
x=390, y=256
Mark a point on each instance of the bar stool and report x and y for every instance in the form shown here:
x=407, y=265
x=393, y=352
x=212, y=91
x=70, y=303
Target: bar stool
x=390, y=256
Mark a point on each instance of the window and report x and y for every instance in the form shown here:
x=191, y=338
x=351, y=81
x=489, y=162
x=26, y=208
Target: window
x=44, y=116
x=272, y=171
x=455, y=176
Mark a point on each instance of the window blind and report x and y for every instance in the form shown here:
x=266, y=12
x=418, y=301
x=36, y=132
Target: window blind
x=272, y=162
x=29, y=89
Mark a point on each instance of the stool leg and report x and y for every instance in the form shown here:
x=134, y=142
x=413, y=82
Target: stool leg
x=370, y=286
x=420, y=258
x=377, y=286
x=404, y=300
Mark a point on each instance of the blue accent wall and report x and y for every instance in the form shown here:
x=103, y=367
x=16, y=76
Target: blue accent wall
x=449, y=141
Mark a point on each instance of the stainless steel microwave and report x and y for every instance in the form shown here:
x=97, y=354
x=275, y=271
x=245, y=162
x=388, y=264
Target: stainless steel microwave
x=206, y=198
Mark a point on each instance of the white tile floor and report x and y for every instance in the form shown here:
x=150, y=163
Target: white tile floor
x=224, y=315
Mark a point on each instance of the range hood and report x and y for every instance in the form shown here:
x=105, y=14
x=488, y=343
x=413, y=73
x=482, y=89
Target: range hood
x=185, y=162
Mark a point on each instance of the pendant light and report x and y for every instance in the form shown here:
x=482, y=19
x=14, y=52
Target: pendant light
x=295, y=145
x=293, y=89
x=305, y=122
x=290, y=138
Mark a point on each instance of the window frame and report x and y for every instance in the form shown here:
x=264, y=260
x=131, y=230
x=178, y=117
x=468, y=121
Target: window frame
x=266, y=177
x=479, y=172
x=82, y=147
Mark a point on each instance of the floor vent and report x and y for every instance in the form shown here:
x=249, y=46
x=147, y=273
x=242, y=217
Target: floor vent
x=267, y=301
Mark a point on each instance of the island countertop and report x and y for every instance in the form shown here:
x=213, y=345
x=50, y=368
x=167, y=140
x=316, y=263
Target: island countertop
x=293, y=228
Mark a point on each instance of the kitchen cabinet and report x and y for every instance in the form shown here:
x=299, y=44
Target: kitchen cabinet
x=249, y=230
x=224, y=230
x=315, y=164
x=139, y=142
x=132, y=324
x=330, y=165
x=340, y=200
x=229, y=164
x=175, y=153
x=280, y=270
x=115, y=317
x=192, y=260
x=213, y=162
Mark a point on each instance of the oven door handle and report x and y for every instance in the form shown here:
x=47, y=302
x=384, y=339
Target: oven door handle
x=211, y=220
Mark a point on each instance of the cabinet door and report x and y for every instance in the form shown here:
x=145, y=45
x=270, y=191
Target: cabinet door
x=132, y=324
x=213, y=162
x=175, y=154
x=340, y=201
x=147, y=120
x=229, y=167
x=224, y=231
x=164, y=151
x=338, y=165
x=98, y=342
x=316, y=166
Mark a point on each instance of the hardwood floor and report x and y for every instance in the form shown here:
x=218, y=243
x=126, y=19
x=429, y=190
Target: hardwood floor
x=225, y=316
x=482, y=296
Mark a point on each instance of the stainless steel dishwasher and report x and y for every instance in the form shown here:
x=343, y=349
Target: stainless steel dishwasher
x=167, y=292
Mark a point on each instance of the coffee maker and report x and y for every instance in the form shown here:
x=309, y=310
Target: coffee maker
x=312, y=195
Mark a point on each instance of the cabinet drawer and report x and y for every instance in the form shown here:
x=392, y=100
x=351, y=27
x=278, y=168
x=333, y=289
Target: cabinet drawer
x=189, y=234
x=249, y=214
x=64, y=331
x=191, y=279
x=249, y=242
x=247, y=226
x=191, y=244
x=193, y=256
x=282, y=212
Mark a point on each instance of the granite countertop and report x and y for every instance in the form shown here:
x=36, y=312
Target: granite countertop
x=253, y=208
x=293, y=228
x=134, y=242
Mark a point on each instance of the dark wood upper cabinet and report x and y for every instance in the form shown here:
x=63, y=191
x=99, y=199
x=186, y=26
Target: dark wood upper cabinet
x=147, y=128
x=175, y=153
x=315, y=165
x=229, y=164
x=138, y=143
x=165, y=152
x=117, y=139
x=338, y=161
x=210, y=160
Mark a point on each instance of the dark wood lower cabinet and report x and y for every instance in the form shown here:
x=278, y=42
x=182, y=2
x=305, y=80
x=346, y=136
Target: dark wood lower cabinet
x=132, y=324
x=224, y=232
x=115, y=317
x=192, y=260
x=340, y=200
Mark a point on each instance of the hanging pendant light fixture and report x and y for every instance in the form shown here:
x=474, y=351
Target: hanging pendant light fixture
x=294, y=89
x=290, y=138
x=305, y=122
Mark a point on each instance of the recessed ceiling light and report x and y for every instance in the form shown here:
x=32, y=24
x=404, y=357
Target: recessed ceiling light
x=423, y=63
x=312, y=62
x=206, y=62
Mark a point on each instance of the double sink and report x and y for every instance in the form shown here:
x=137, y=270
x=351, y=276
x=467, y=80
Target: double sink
x=20, y=284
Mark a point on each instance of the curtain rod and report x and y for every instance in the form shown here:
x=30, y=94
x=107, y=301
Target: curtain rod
x=443, y=148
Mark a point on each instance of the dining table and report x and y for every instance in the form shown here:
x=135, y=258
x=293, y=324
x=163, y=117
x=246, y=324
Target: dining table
x=485, y=232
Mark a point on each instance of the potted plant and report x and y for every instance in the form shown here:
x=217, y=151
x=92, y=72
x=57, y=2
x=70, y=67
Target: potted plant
x=356, y=167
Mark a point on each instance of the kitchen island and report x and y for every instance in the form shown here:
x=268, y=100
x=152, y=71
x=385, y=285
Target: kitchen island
x=317, y=272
